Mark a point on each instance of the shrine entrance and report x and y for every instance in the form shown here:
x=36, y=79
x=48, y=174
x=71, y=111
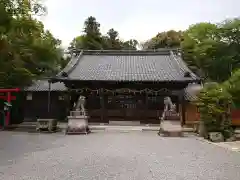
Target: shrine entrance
x=127, y=107
x=144, y=105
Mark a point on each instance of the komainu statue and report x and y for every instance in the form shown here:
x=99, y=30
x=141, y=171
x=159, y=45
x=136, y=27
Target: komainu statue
x=169, y=127
x=78, y=120
x=79, y=106
x=169, y=108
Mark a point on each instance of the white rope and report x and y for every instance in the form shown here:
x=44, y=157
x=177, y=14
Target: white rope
x=146, y=90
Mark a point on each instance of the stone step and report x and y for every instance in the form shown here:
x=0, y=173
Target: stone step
x=121, y=129
x=125, y=123
x=31, y=126
x=21, y=126
x=172, y=133
x=77, y=117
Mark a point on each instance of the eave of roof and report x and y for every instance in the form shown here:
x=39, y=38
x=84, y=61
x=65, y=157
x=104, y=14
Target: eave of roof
x=43, y=85
x=123, y=65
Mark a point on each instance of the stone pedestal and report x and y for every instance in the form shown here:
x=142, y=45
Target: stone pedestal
x=170, y=128
x=77, y=123
x=172, y=115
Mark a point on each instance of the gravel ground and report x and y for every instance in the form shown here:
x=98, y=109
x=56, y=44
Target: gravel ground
x=233, y=146
x=118, y=156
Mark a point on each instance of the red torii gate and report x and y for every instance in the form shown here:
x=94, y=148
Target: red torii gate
x=8, y=97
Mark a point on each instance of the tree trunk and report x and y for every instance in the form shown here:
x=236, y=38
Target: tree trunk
x=202, y=129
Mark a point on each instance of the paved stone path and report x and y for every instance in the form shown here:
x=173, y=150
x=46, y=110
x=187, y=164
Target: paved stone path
x=119, y=156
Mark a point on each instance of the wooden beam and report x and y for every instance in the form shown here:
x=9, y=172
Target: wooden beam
x=5, y=98
x=10, y=90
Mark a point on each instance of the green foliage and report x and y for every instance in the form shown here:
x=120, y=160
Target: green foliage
x=130, y=44
x=212, y=50
x=214, y=104
x=232, y=85
x=92, y=39
x=169, y=39
x=27, y=51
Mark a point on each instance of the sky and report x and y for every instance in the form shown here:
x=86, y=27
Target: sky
x=138, y=19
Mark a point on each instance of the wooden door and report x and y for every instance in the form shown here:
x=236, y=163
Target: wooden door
x=125, y=107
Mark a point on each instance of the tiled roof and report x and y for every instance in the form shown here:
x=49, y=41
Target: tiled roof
x=105, y=65
x=42, y=85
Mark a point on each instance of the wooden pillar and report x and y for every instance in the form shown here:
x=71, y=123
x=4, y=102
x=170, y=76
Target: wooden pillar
x=49, y=97
x=102, y=105
x=7, y=120
x=8, y=98
x=146, y=108
x=182, y=108
x=69, y=101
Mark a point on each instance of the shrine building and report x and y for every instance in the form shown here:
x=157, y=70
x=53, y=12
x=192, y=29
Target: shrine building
x=122, y=85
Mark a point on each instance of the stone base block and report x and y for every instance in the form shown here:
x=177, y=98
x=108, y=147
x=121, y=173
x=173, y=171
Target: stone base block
x=231, y=139
x=171, y=133
x=49, y=125
x=171, y=129
x=125, y=123
x=216, y=137
x=77, y=125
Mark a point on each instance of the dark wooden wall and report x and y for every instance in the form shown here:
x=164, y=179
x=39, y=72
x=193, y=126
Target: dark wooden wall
x=38, y=106
x=101, y=107
x=126, y=107
x=107, y=106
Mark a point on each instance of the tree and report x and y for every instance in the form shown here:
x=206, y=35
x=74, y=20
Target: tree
x=232, y=85
x=77, y=43
x=169, y=39
x=92, y=36
x=214, y=106
x=92, y=39
x=130, y=44
x=229, y=31
x=212, y=50
x=27, y=50
x=111, y=41
x=112, y=34
x=199, y=42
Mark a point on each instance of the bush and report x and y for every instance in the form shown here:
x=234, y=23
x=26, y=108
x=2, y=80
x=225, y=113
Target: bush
x=214, y=104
